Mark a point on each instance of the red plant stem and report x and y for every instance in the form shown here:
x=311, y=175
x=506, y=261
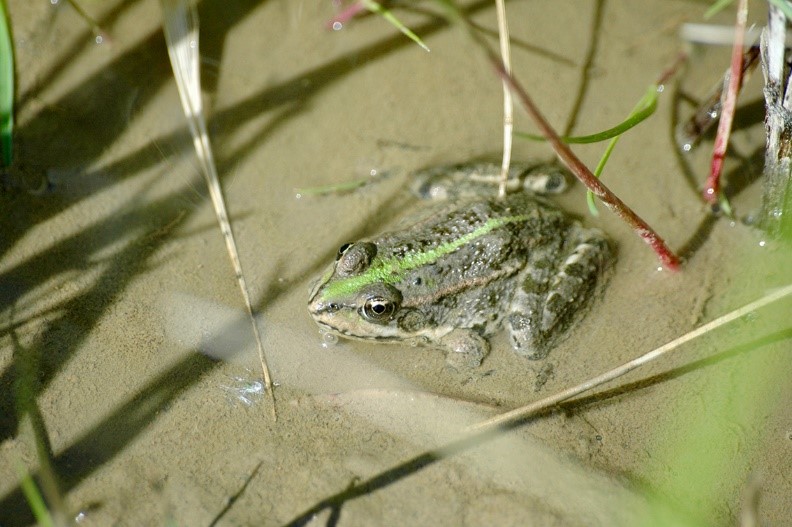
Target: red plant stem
x=346, y=15
x=669, y=72
x=611, y=201
x=712, y=186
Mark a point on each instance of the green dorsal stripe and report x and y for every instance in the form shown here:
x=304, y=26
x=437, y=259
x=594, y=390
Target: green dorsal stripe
x=392, y=270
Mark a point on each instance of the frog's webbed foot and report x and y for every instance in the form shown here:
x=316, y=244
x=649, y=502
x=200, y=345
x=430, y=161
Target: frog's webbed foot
x=465, y=349
x=538, y=320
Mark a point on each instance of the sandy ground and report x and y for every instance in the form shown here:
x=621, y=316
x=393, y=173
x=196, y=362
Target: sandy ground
x=115, y=284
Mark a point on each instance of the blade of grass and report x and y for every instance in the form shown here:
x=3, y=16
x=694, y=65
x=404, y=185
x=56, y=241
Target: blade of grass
x=6, y=88
x=633, y=120
x=717, y=7
x=181, y=35
x=33, y=496
x=648, y=101
x=645, y=107
x=375, y=7
x=26, y=389
x=577, y=167
x=331, y=189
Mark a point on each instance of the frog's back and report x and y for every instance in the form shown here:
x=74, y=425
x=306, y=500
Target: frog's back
x=522, y=220
x=472, y=251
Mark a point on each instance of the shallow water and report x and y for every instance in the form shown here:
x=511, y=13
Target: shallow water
x=122, y=319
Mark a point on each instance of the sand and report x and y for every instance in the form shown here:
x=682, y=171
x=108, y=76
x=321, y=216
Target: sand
x=125, y=332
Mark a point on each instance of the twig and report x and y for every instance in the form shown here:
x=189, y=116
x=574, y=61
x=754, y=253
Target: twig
x=508, y=104
x=712, y=186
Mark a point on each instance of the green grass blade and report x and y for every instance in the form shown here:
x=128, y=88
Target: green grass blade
x=331, y=189
x=34, y=498
x=717, y=7
x=647, y=105
x=374, y=7
x=598, y=171
x=6, y=88
x=644, y=109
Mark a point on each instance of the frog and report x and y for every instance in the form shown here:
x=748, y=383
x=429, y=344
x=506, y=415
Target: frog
x=468, y=266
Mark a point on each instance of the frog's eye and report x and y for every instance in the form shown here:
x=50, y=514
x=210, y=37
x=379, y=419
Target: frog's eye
x=342, y=250
x=379, y=303
x=379, y=309
x=354, y=258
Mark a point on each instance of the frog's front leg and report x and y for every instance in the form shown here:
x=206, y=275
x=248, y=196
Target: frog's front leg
x=546, y=305
x=465, y=348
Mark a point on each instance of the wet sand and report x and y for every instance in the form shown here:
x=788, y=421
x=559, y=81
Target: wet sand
x=123, y=322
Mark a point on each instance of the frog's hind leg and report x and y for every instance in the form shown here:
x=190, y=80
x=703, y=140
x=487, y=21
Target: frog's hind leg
x=542, y=312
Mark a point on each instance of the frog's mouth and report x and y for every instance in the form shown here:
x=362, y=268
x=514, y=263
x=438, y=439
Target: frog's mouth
x=384, y=333
x=351, y=336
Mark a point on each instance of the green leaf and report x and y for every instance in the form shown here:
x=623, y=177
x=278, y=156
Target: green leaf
x=645, y=107
x=331, y=189
x=717, y=7
x=374, y=7
x=598, y=172
x=6, y=88
x=784, y=7
x=33, y=496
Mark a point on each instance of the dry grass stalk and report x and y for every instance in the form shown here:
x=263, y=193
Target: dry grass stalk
x=180, y=21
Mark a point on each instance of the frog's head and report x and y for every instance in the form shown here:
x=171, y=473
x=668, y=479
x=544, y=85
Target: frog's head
x=355, y=298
